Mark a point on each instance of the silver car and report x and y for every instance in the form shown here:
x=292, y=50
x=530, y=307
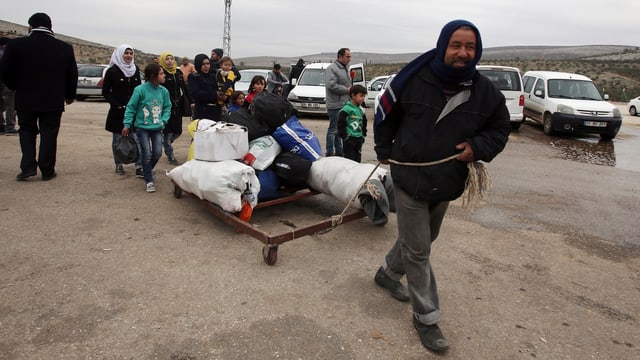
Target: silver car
x=90, y=78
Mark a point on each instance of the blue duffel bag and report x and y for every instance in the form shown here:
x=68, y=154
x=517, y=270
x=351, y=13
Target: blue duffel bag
x=294, y=137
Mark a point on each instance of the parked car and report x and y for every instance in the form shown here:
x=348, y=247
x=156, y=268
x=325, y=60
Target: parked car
x=570, y=103
x=90, y=78
x=509, y=81
x=634, y=106
x=308, y=95
x=246, y=76
x=374, y=86
x=384, y=87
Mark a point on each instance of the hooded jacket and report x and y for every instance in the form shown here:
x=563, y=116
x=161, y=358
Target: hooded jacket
x=425, y=124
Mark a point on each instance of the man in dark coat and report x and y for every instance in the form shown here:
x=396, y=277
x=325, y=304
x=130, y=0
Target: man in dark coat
x=437, y=115
x=43, y=72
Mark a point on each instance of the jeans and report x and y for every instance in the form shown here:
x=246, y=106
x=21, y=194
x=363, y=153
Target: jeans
x=334, y=142
x=113, y=143
x=151, y=146
x=167, y=141
x=10, y=114
x=418, y=227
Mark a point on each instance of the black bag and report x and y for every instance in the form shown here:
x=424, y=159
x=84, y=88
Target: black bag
x=126, y=150
x=243, y=117
x=293, y=170
x=271, y=109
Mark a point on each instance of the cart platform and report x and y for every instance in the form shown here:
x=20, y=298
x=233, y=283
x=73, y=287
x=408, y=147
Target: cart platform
x=272, y=241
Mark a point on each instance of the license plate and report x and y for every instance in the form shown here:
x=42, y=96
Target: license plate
x=595, y=123
x=84, y=82
x=310, y=105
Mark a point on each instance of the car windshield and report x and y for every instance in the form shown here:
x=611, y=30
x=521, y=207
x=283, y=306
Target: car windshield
x=573, y=89
x=90, y=71
x=503, y=80
x=247, y=75
x=312, y=77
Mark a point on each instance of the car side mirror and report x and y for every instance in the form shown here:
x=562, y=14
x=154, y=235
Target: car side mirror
x=539, y=93
x=294, y=81
x=606, y=96
x=378, y=87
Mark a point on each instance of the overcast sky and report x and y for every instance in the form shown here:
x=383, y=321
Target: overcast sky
x=290, y=28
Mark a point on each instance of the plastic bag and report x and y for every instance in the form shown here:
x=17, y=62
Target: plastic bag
x=126, y=150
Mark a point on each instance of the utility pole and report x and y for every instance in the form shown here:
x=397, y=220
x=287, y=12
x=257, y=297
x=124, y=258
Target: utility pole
x=226, y=37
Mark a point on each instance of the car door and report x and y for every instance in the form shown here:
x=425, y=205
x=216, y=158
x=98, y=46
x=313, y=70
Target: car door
x=356, y=71
x=534, y=100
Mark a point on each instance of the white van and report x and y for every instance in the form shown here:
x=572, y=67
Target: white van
x=509, y=81
x=308, y=95
x=564, y=102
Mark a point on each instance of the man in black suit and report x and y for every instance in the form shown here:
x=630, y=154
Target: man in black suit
x=43, y=72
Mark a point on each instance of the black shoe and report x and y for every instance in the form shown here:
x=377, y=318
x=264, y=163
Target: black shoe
x=120, y=169
x=24, y=175
x=49, y=177
x=431, y=336
x=395, y=288
x=172, y=160
x=139, y=173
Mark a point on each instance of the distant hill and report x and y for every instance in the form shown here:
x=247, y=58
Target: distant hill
x=612, y=67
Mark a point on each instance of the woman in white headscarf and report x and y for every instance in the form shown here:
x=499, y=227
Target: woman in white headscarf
x=119, y=81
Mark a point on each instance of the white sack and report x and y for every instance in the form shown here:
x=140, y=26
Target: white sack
x=221, y=141
x=262, y=152
x=220, y=182
x=341, y=177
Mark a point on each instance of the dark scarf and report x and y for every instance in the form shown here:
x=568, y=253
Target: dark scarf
x=197, y=62
x=451, y=77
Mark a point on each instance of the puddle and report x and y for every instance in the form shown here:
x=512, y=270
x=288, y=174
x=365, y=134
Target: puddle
x=622, y=152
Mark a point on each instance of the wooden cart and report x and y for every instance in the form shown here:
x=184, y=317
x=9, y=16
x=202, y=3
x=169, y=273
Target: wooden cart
x=272, y=241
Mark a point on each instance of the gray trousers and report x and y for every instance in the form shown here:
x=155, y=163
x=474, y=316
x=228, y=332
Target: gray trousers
x=418, y=227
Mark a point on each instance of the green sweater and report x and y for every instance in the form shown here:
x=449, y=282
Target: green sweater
x=352, y=122
x=149, y=107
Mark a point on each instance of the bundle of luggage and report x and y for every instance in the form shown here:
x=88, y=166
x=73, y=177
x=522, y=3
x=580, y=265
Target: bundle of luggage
x=252, y=154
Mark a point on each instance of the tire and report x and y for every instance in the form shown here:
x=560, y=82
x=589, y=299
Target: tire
x=633, y=111
x=547, y=125
x=515, y=125
x=80, y=97
x=608, y=137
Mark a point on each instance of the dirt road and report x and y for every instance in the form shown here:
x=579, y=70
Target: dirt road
x=93, y=267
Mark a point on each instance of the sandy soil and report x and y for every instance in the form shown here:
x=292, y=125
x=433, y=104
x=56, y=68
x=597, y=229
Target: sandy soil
x=93, y=267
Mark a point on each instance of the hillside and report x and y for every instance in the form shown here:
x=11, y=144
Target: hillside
x=612, y=67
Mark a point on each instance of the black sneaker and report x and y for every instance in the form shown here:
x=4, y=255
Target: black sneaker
x=49, y=176
x=139, y=173
x=119, y=169
x=431, y=336
x=395, y=288
x=25, y=175
x=172, y=160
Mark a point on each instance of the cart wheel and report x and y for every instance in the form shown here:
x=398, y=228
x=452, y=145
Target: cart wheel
x=177, y=192
x=270, y=254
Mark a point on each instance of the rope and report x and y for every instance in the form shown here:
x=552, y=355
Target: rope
x=476, y=186
x=337, y=219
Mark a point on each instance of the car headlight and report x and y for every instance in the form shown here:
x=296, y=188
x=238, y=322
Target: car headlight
x=565, y=109
x=292, y=96
x=617, y=113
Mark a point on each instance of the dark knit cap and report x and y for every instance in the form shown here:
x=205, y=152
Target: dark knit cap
x=218, y=52
x=40, y=20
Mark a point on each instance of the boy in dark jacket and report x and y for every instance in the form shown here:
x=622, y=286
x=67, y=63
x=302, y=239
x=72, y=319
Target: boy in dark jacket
x=352, y=123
